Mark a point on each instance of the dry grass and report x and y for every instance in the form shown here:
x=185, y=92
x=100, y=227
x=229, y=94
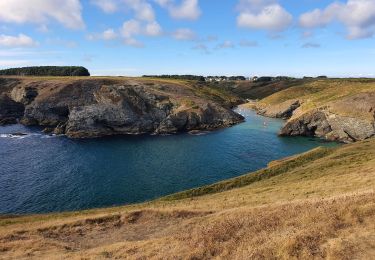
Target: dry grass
x=322, y=93
x=319, y=205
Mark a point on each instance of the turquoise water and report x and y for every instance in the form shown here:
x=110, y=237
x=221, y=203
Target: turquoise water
x=41, y=173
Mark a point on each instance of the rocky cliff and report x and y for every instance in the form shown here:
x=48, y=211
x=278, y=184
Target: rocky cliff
x=337, y=110
x=83, y=108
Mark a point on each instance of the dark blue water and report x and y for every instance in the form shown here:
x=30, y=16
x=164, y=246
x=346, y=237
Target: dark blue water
x=41, y=173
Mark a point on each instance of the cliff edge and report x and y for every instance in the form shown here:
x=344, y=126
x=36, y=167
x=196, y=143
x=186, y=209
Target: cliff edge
x=335, y=109
x=95, y=107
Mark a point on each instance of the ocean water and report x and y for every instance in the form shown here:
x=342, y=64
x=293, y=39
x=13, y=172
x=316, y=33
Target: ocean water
x=41, y=173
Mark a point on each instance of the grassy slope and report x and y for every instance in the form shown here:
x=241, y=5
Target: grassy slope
x=320, y=204
x=204, y=91
x=318, y=93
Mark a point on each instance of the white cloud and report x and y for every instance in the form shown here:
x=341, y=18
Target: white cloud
x=153, y=29
x=109, y=34
x=254, y=5
x=184, y=34
x=131, y=28
x=21, y=40
x=263, y=14
x=67, y=12
x=357, y=15
x=106, y=35
x=319, y=18
x=187, y=9
x=108, y=6
x=143, y=10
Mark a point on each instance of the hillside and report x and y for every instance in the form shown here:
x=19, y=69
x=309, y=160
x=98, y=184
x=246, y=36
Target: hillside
x=336, y=109
x=257, y=89
x=100, y=106
x=320, y=204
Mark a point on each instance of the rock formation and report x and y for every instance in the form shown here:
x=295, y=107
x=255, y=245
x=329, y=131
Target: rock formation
x=347, y=120
x=284, y=110
x=100, y=107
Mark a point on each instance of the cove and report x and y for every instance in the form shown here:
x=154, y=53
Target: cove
x=41, y=173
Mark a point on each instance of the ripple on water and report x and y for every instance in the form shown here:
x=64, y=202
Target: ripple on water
x=45, y=173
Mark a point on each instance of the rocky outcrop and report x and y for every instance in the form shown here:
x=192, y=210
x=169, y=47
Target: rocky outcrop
x=10, y=110
x=329, y=126
x=94, y=108
x=134, y=110
x=284, y=110
x=348, y=120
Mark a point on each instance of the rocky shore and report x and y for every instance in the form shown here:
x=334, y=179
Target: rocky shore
x=345, y=118
x=88, y=108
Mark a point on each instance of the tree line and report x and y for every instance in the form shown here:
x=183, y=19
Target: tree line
x=46, y=71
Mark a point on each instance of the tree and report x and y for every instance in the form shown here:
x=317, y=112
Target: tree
x=46, y=71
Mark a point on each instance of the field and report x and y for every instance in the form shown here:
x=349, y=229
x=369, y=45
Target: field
x=320, y=204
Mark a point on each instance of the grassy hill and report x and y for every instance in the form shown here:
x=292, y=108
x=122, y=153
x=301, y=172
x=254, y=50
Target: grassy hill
x=334, y=109
x=255, y=89
x=320, y=204
x=324, y=92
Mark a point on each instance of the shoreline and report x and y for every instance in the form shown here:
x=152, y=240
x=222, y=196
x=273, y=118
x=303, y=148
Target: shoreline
x=243, y=106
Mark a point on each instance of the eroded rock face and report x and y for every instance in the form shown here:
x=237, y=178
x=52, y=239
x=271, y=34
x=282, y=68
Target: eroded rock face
x=133, y=110
x=347, y=120
x=10, y=110
x=284, y=110
x=329, y=126
x=24, y=94
x=94, y=108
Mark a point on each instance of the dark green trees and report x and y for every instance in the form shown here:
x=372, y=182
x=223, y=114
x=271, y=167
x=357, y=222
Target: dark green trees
x=47, y=71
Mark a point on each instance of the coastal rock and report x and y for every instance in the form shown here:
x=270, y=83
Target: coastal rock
x=284, y=110
x=326, y=124
x=24, y=94
x=133, y=110
x=101, y=107
x=348, y=119
x=10, y=110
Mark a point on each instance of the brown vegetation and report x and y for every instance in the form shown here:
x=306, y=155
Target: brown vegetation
x=318, y=205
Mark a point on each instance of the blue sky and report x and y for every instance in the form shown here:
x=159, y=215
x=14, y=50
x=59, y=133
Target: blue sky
x=204, y=37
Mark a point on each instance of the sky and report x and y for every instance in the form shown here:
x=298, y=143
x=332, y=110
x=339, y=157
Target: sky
x=202, y=37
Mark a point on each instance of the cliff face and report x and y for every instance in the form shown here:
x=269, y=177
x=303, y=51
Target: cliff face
x=334, y=110
x=332, y=123
x=99, y=107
